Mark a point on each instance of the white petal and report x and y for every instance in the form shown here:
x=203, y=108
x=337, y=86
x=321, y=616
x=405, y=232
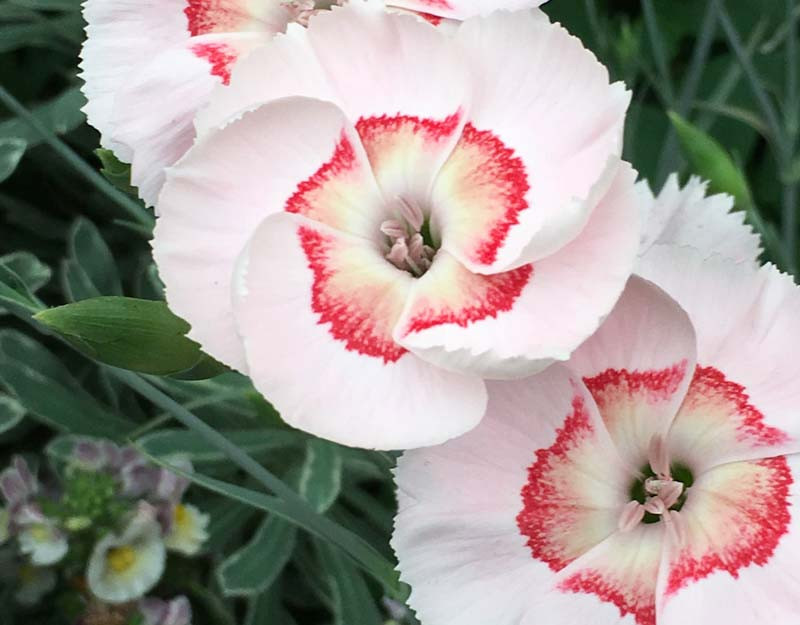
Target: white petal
x=687, y=217
x=474, y=548
x=154, y=110
x=638, y=366
x=747, y=323
x=315, y=306
x=234, y=178
x=121, y=37
x=548, y=100
x=741, y=564
x=513, y=324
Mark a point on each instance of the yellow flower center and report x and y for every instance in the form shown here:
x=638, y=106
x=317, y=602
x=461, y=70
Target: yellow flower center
x=40, y=533
x=120, y=559
x=181, y=515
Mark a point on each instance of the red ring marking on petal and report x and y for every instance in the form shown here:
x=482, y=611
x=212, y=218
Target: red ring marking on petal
x=709, y=382
x=643, y=608
x=656, y=384
x=353, y=324
x=761, y=518
x=210, y=16
x=343, y=160
x=220, y=56
x=487, y=184
x=484, y=296
x=547, y=507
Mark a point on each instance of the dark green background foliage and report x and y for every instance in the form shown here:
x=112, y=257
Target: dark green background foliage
x=68, y=234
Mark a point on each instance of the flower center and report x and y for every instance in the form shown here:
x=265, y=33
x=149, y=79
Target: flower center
x=410, y=243
x=658, y=493
x=120, y=559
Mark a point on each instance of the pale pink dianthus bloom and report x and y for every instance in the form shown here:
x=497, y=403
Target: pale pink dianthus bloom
x=150, y=65
x=650, y=480
x=377, y=215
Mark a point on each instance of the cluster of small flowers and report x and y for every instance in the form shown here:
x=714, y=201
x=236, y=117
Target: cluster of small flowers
x=107, y=523
x=410, y=223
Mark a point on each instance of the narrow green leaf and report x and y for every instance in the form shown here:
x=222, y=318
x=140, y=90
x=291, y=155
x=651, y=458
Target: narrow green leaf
x=49, y=393
x=227, y=520
x=11, y=413
x=710, y=160
x=254, y=568
x=59, y=115
x=267, y=609
x=135, y=334
x=11, y=151
x=352, y=600
x=358, y=549
x=167, y=442
x=321, y=474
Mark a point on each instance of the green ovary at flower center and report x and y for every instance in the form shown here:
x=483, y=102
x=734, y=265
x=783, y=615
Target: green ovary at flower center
x=641, y=489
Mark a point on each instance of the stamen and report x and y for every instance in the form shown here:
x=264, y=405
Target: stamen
x=654, y=505
x=670, y=493
x=411, y=211
x=407, y=248
x=632, y=515
x=659, y=456
x=393, y=229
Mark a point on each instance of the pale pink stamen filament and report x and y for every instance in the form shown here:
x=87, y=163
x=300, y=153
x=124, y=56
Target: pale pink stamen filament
x=407, y=249
x=665, y=493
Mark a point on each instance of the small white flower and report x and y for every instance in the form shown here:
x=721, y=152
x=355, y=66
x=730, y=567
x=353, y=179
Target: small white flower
x=124, y=567
x=43, y=541
x=188, y=529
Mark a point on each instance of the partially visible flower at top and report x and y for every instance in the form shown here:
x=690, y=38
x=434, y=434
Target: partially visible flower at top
x=39, y=537
x=178, y=611
x=150, y=65
x=686, y=217
x=18, y=484
x=654, y=479
x=399, y=214
x=123, y=567
x=188, y=529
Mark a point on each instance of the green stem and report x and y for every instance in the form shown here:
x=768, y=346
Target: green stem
x=659, y=51
x=669, y=155
x=789, y=214
x=132, y=209
x=766, y=106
